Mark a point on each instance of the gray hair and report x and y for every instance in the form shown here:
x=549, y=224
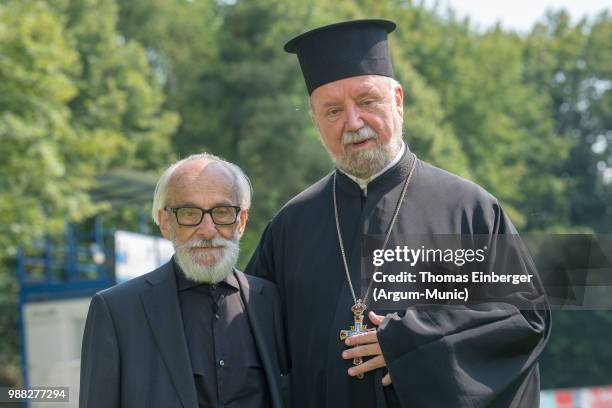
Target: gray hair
x=242, y=184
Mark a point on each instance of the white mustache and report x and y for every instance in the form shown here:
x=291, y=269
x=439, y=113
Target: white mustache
x=365, y=133
x=202, y=243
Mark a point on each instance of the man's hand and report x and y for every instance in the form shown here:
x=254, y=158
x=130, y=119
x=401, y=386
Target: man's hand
x=366, y=345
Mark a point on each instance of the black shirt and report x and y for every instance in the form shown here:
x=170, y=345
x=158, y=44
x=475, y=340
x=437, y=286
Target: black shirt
x=226, y=366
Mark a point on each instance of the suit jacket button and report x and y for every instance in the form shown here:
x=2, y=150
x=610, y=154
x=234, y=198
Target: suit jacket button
x=221, y=363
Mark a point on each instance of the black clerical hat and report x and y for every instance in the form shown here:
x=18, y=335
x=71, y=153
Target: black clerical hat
x=343, y=50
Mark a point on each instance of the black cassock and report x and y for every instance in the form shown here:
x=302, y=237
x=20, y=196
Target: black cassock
x=437, y=356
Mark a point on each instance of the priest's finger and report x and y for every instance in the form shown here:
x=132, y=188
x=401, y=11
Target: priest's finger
x=371, y=364
x=363, y=338
x=376, y=319
x=372, y=349
x=387, y=380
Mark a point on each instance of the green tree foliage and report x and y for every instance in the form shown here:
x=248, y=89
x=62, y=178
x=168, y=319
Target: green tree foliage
x=75, y=101
x=181, y=41
x=578, y=353
x=571, y=65
x=119, y=103
x=37, y=68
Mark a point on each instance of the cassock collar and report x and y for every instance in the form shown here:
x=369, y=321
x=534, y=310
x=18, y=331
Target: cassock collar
x=389, y=178
x=182, y=283
x=363, y=183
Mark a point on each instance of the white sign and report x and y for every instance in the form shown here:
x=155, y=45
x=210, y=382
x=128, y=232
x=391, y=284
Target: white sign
x=137, y=254
x=53, y=336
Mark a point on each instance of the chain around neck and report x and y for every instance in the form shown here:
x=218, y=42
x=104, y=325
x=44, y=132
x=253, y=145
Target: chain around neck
x=388, y=234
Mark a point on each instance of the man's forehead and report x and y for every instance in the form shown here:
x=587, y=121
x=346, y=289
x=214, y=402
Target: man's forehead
x=353, y=86
x=204, y=174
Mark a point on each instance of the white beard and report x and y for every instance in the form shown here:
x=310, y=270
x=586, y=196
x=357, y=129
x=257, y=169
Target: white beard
x=197, y=267
x=366, y=163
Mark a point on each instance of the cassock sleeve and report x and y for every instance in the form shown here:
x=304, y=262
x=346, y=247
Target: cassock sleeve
x=261, y=263
x=100, y=375
x=463, y=358
x=471, y=356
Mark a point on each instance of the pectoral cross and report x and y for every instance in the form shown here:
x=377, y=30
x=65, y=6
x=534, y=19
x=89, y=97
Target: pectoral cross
x=357, y=309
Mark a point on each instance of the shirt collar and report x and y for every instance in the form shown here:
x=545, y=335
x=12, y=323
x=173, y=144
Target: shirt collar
x=363, y=183
x=182, y=283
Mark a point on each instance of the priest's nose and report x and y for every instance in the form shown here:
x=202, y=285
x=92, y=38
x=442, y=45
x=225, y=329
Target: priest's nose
x=354, y=122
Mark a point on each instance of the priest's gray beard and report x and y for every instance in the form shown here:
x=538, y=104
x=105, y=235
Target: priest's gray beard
x=197, y=267
x=365, y=163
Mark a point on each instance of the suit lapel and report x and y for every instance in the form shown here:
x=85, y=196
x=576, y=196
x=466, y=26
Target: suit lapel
x=164, y=316
x=259, y=313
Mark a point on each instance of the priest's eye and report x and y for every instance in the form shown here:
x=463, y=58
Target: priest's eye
x=333, y=112
x=367, y=103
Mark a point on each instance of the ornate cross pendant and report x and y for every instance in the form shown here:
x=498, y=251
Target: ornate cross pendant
x=357, y=309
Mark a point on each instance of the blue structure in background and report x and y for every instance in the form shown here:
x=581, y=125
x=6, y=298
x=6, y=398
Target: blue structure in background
x=81, y=263
x=75, y=274
x=80, y=266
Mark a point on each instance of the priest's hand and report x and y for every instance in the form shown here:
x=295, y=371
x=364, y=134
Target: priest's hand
x=366, y=345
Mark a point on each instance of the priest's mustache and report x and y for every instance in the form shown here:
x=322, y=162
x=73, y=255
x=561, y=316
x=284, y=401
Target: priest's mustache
x=360, y=135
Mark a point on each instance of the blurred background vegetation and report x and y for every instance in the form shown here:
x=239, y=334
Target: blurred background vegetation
x=91, y=86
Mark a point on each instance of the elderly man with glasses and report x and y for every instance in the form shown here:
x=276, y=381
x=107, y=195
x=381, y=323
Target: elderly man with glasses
x=191, y=333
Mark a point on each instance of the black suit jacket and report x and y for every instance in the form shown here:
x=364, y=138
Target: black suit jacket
x=134, y=350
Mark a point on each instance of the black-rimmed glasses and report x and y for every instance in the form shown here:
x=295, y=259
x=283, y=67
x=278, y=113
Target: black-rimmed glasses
x=192, y=216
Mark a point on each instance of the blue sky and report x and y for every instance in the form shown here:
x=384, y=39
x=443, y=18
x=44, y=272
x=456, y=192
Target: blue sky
x=519, y=14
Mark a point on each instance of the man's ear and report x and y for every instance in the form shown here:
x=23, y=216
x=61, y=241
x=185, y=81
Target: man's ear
x=399, y=100
x=164, y=227
x=242, y=221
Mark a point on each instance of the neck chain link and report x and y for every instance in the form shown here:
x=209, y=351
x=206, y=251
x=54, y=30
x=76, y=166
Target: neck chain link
x=391, y=224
